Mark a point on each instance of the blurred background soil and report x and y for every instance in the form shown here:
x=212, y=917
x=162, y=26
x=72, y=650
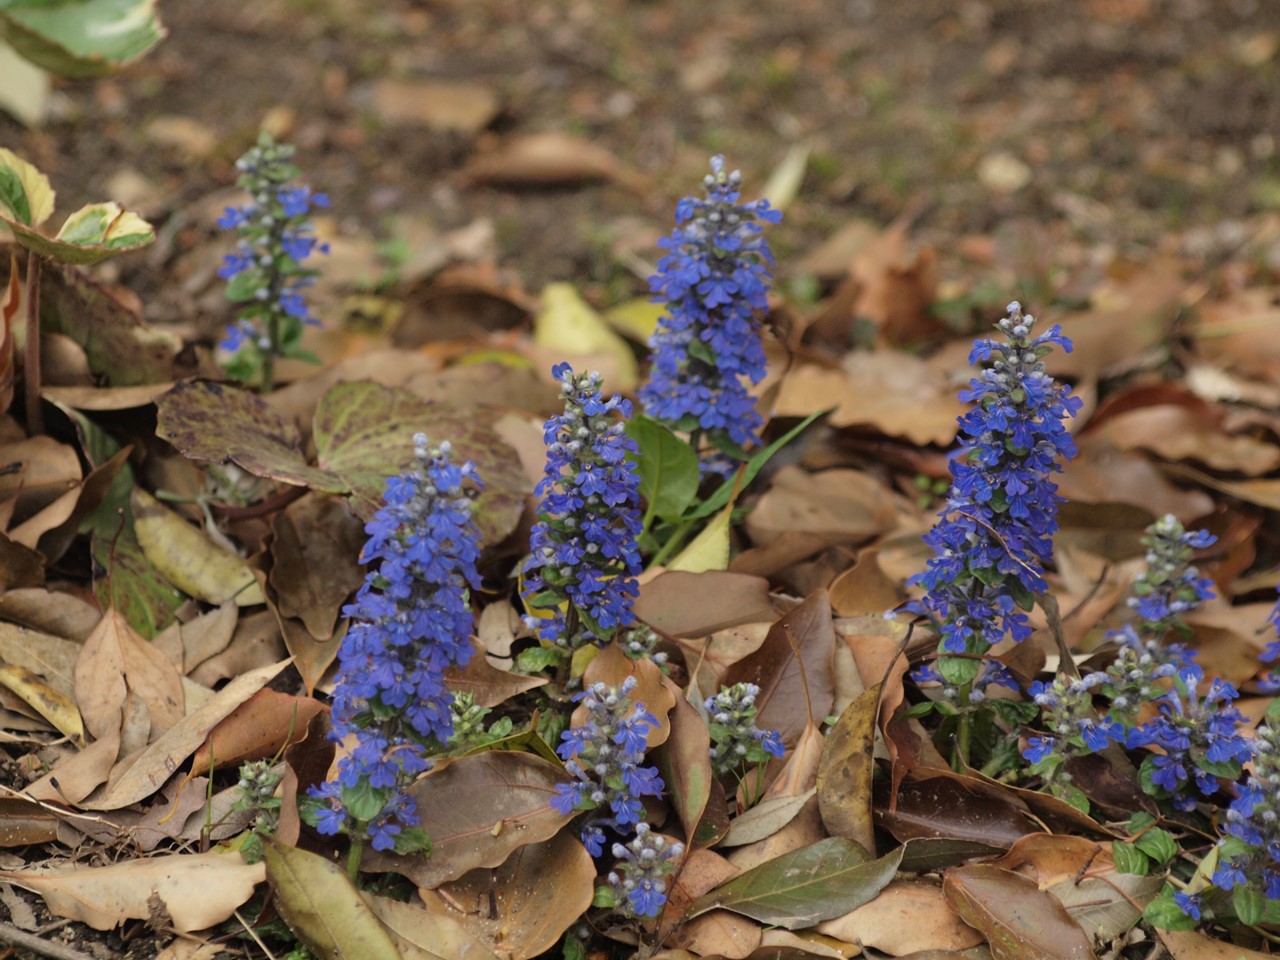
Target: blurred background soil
x=1109, y=127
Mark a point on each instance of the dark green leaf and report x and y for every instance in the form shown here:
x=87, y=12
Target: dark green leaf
x=1248, y=904
x=1129, y=859
x=806, y=886
x=1164, y=913
x=1158, y=844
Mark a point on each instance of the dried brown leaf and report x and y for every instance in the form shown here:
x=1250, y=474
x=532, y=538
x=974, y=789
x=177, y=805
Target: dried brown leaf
x=909, y=916
x=844, y=506
x=696, y=604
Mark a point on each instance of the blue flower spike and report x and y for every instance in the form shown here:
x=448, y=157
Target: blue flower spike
x=411, y=620
x=715, y=283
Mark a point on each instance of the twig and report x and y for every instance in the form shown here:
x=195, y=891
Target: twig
x=31, y=352
x=27, y=941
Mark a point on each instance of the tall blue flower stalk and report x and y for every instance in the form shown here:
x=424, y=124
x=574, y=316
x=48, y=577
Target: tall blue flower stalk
x=994, y=538
x=411, y=620
x=1249, y=854
x=581, y=575
x=715, y=282
x=265, y=272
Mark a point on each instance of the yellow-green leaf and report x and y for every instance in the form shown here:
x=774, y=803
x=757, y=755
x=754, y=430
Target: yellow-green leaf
x=709, y=549
x=26, y=198
x=324, y=908
x=636, y=318
x=189, y=559
x=567, y=324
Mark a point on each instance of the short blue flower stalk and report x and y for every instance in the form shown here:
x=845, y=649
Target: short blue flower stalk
x=736, y=743
x=265, y=271
x=638, y=879
x=1249, y=855
x=411, y=620
x=994, y=538
x=584, y=553
x=1074, y=728
x=1163, y=594
x=605, y=755
x=715, y=282
x=1199, y=736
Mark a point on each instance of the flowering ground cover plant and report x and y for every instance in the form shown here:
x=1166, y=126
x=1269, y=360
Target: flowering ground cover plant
x=680, y=670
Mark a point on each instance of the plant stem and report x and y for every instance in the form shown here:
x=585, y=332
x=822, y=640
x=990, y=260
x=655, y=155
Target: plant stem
x=269, y=361
x=31, y=355
x=674, y=541
x=353, y=856
x=964, y=728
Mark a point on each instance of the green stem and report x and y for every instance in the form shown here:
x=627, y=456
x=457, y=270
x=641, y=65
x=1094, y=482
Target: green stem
x=675, y=540
x=273, y=351
x=354, y=853
x=964, y=728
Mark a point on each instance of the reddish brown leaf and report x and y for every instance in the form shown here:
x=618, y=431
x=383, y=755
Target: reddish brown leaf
x=1019, y=920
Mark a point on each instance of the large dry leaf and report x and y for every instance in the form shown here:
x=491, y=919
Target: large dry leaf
x=909, y=916
x=765, y=819
x=197, y=890
x=1182, y=431
x=696, y=604
x=323, y=907
x=844, y=774
x=716, y=933
x=1019, y=920
x=46, y=700
x=50, y=656
x=684, y=761
x=532, y=914
x=709, y=658
x=52, y=611
x=146, y=772
x=897, y=394
x=421, y=935
x=478, y=809
x=315, y=562
x=1102, y=474
x=542, y=159
x=948, y=807
x=37, y=471
x=488, y=684
x=261, y=727
x=793, y=669
x=844, y=506
x=142, y=670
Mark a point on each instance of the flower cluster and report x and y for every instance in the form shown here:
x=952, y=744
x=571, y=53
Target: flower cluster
x=1199, y=736
x=605, y=754
x=1170, y=586
x=735, y=741
x=265, y=271
x=259, y=780
x=1270, y=683
x=638, y=879
x=995, y=535
x=991, y=673
x=640, y=642
x=1074, y=727
x=1249, y=856
x=411, y=620
x=584, y=553
x=715, y=282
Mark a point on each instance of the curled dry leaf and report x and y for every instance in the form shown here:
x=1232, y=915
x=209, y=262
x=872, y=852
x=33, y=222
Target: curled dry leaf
x=315, y=566
x=1181, y=431
x=765, y=819
x=846, y=768
x=323, y=907
x=37, y=471
x=478, y=809
x=52, y=611
x=198, y=890
x=55, y=706
x=532, y=914
x=260, y=727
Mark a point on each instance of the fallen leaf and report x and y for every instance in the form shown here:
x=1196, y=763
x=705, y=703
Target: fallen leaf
x=188, y=558
x=315, y=550
x=459, y=107
x=684, y=761
x=478, y=810
x=24, y=823
x=37, y=471
x=716, y=933
x=10, y=302
x=765, y=819
x=709, y=550
x=801, y=888
x=1189, y=431
x=696, y=604
x=844, y=506
x=198, y=890
x=532, y=913
x=567, y=325
x=864, y=588
x=489, y=685
x=262, y=726
x=421, y=935
x=1017, y=918
x=51, y=611
x=793, y=669
x=323, y=907
x=1194, y=945
x=846, y=768
x=908, y=916
x=549, y=159
x=54, y=706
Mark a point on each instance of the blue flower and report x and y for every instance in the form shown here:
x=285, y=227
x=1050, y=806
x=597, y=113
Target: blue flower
x=605, y=755
x=584, y=553
x=265, y=271
x=715, y=282
x=1066, y=705
x=1188, y=903
x=410, y=621
x=735, y=740
x=995, y=536
x=1038, y=748
x=1250, y=851
x=638, y=878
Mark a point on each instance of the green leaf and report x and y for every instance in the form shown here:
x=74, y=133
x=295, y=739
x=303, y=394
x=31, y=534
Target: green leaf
x=958, y=671
x=85, y=39
x=322, y=906
x=1162, y=912
x=720, y=498
x=667, y=466
x=1158, y=844
x=92, y=234
x=1249, y=904
x=537, y=659
x=806, y=886
x=128, y=581
x=1129, y=859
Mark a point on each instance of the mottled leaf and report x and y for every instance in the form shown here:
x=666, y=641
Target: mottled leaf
x=798, y=889
x=84, y=39
x=26, y=197
x=92, y=234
